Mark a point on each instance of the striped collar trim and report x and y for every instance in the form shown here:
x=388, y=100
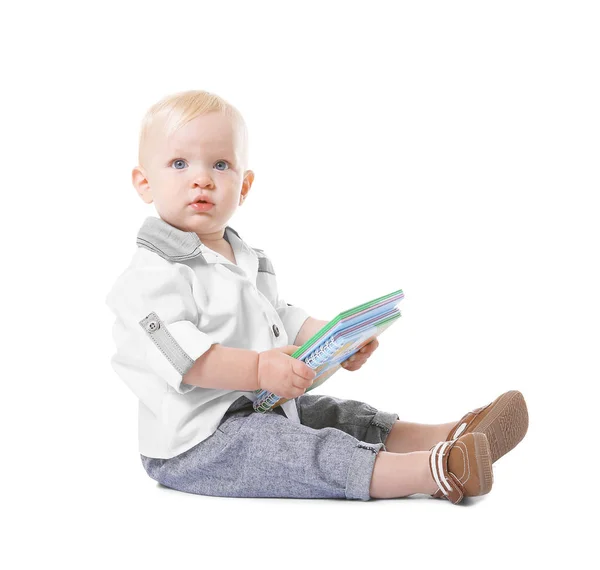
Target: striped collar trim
x=172, y=243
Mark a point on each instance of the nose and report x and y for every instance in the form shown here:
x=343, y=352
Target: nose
x=204, y=180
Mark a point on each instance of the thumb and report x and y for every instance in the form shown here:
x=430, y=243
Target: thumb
x=299, y=367
x=304, y=370
x=289, y=349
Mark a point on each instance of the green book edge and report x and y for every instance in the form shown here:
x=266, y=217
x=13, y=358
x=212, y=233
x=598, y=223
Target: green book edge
x=331, y=324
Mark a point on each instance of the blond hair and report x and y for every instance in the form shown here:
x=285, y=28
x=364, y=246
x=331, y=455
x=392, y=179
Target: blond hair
x=174, y=111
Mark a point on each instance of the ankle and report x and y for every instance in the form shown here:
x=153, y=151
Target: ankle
x=401, y=474
x=407, y=437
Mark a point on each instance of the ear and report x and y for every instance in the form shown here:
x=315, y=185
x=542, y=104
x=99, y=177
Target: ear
x=246, y=184
x=141, y=184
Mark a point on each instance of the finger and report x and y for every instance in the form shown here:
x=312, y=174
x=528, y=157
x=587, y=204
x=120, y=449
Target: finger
x=358, y=357
x=350, y=364
x=303, y=371
x=301, y=383
x=369, y=348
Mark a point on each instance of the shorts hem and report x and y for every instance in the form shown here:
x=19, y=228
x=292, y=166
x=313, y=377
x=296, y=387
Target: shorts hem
x=360, y=473
x=385, y=422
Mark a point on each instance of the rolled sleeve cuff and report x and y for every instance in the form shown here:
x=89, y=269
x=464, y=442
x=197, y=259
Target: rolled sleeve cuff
x=292, y=318
x=175, y=348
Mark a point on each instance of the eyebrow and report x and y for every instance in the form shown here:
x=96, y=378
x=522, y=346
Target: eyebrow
x=182, y=151
x=221, y=153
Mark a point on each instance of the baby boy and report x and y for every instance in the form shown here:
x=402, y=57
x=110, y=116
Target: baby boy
x=200, y=326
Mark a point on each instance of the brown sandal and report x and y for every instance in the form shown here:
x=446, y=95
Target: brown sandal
x=504, y=422
x=462, y=467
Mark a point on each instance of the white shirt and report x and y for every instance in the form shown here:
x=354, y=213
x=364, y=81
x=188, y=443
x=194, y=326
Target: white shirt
x=176, y=298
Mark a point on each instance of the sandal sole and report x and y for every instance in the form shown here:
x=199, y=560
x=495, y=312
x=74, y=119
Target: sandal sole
x=506, y=424
x=483, y=455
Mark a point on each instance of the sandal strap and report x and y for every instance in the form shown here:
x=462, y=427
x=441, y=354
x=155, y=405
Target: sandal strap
x=449, y=486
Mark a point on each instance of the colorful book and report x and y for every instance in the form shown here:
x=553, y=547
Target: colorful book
x=338, y=340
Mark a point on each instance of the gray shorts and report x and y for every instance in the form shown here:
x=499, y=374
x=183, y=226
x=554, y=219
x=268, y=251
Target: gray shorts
x=330, y=454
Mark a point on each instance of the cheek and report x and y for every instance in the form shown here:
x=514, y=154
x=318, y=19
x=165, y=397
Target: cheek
x=169, y=190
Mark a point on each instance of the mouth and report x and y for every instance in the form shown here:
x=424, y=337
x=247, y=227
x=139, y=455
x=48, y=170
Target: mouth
x=201, y=206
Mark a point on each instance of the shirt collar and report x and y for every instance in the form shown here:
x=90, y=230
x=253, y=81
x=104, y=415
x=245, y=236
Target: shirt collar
x=177, y=245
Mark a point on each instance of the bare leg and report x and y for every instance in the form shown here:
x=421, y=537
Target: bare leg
x=401, y=474
x=406, y=437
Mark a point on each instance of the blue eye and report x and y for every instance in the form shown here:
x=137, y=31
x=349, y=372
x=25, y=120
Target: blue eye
x=183, y=162
x=176, y=161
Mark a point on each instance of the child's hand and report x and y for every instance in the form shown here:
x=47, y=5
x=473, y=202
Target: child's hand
x=360, y=357
x=283, y=375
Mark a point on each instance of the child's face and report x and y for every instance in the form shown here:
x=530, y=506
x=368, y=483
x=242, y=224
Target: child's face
x=203, y=158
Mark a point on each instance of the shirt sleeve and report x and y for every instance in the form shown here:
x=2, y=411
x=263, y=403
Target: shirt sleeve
x=291, y=316
x=156, y=320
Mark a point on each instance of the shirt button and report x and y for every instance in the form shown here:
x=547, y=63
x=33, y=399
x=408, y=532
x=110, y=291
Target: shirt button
x=152, y=326
x=275, y=330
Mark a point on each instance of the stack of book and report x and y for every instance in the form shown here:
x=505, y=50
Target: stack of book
x=338, y=340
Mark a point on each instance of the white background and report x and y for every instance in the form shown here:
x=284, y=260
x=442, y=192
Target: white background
x=446, y=148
